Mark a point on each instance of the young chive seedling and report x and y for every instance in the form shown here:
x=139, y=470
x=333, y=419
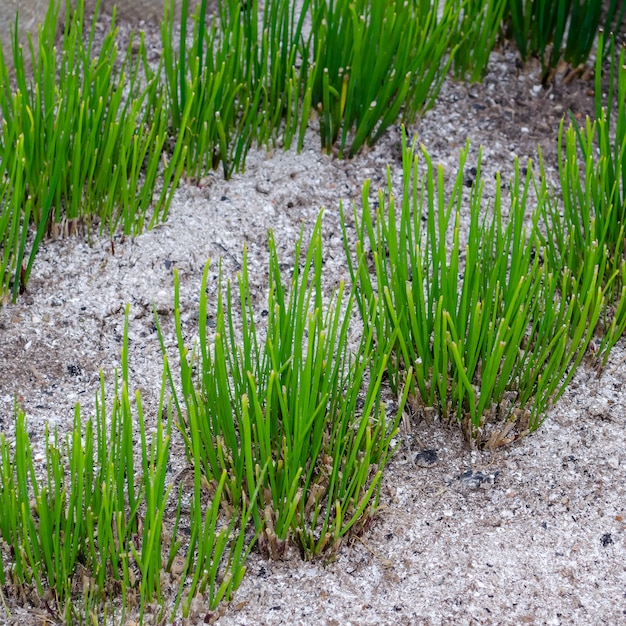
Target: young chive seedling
x=91, y=513
x=374, y=60
x=82, y=136
x=295, y=404
x=80, y=510
x=475, y=35
x=586, y=222
x=565, y=29
x=493, y=337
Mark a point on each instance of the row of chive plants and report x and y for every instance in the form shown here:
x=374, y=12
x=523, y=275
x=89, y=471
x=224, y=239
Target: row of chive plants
x=93, y=516
x=92, y=136
x=268, y=465
x=493, y=340
x=551, y=31
x=82, y=137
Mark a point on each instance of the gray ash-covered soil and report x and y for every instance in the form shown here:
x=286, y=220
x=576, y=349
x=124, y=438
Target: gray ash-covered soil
x=532, y=533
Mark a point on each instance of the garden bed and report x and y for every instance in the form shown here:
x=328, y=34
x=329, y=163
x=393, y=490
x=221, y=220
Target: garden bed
x=534, y=532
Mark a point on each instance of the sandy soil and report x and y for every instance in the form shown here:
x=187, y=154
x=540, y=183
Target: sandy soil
x=534, y=533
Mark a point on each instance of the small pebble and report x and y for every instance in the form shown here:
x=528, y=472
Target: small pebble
x=598, y=407
x=426, y=458
x=473, y=480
